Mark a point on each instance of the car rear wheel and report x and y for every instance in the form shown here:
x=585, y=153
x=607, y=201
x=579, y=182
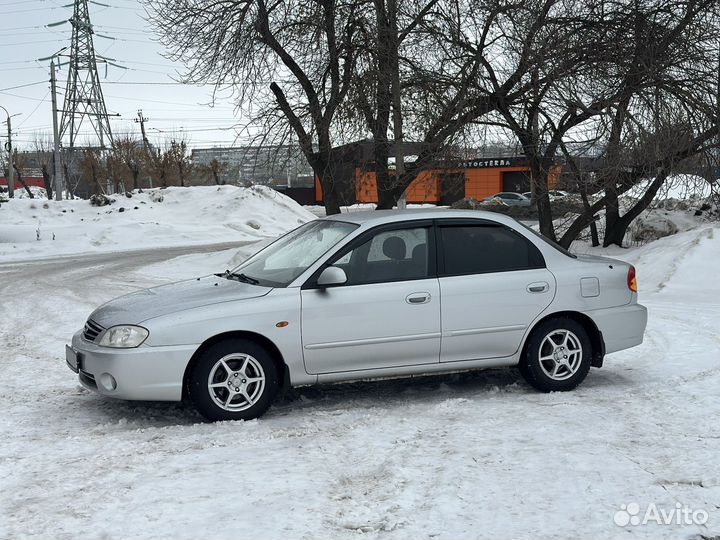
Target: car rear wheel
x=558, y=356
x=235, y=379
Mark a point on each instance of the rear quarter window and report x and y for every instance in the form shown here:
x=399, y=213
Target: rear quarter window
x=550, y=243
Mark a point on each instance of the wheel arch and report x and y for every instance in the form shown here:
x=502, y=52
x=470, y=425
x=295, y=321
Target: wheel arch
x=594, y=333
x=282, y=368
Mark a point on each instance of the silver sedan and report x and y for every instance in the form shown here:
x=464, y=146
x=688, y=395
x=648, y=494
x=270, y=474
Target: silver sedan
x=364, y=295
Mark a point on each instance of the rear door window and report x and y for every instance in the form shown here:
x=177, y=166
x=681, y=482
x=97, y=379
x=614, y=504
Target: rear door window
x=481, y=249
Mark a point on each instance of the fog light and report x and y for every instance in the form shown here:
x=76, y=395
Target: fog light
x=108, y=382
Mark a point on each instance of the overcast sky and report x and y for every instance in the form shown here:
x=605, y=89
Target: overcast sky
x=148, y=83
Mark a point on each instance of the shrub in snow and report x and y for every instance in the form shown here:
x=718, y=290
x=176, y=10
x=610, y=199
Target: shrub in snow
x=156, y=197
x=651, y=228
x=468, y=203
x=100, y=200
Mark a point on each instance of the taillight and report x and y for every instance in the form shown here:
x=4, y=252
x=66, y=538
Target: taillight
x=632, y=279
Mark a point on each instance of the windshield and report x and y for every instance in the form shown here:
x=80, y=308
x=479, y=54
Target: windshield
x=280, y=263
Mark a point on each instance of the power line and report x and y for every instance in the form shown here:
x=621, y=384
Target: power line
x=32, y=9
x=34, y=110
x=22, y=86
x=30, y=42
x=19, y=96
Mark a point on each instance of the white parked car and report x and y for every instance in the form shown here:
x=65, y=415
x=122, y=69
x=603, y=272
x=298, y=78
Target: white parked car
x=508, y=198
x=556, y=194
x=364, y=295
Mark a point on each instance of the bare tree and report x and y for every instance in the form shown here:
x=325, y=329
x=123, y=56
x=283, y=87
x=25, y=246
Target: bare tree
x=91, y=165
x=158, y=162
x=179, y=160
x=19, y=163
x=129, y=152
x=215, y=170
x=442, y=66
x=290, y=63
x=637, y=57
x=43, y=152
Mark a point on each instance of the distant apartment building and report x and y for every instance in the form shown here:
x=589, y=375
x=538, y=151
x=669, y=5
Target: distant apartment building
x=269, y=165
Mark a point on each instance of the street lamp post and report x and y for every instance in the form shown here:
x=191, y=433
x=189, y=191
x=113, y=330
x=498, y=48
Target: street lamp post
x=11, y=170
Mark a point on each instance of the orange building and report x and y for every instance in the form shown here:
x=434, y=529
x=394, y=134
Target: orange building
x=475, y=178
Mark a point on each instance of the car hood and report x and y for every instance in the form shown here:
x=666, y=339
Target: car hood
x=134, y=308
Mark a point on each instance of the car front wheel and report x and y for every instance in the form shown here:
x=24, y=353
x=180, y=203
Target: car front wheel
x=558, y=356
x=234, y=379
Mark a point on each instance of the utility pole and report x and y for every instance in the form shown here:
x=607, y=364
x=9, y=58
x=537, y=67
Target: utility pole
x=11, y=169
x=57, y=175
x=8, y=147
x=141, y=120
x=146, y=144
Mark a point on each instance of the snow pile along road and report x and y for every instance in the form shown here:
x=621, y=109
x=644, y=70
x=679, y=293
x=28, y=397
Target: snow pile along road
x=38, y=228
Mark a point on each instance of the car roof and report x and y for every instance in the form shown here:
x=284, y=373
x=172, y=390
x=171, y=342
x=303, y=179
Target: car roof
x=378, y=217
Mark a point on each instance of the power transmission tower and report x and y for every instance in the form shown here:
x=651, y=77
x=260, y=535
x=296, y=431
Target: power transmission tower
x=83, y=95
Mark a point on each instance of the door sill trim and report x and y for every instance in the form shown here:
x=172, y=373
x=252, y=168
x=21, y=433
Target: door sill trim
x=372, y=341
x=492, y=330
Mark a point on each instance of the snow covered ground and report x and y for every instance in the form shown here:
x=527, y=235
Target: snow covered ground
x=476, y=455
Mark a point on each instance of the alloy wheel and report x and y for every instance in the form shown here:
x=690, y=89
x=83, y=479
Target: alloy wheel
x=236, y=382
x=560, y=354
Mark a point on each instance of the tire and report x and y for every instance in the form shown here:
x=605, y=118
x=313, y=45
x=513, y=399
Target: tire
x=244, y=379
x=561, y=367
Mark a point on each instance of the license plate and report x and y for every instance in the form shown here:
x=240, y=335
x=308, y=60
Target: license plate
x=73, y=359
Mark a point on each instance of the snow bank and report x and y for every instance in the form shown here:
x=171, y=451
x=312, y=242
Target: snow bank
x=677, y=186
x=38, y=228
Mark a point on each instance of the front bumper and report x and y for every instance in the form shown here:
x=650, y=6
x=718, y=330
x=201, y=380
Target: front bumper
x=144, y=373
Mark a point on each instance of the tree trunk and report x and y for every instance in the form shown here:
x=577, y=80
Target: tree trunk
x=614, y=175
x=612, y=215
x=384, y=46
x=616, y=234
x=68, y=184
x=542, y=198
x=327, y=183
x=383, y=181
x=18, y=176
x=136, y=174
x=586, y=206
x=47, y=180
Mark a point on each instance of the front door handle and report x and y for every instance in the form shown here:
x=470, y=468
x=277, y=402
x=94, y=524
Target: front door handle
x=538, y=287
x=418, y=298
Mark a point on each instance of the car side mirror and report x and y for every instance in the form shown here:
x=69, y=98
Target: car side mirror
x=332, y=275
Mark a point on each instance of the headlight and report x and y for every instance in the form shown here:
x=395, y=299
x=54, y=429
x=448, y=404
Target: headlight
x=124, y=337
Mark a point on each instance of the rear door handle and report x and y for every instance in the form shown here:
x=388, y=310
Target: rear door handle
x=538, y=287
x=418, y=298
